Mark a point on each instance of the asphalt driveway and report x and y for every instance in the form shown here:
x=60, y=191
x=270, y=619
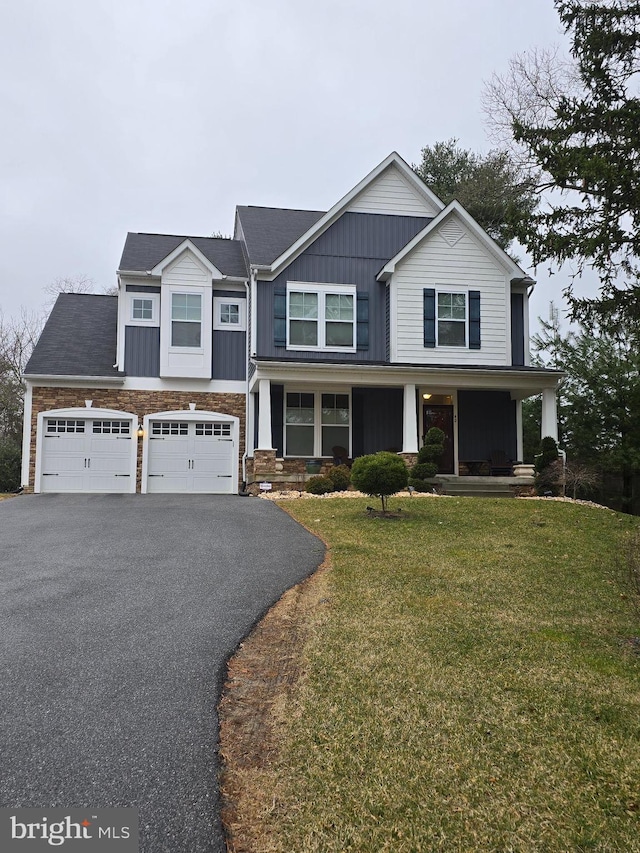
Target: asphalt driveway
x=117, y=615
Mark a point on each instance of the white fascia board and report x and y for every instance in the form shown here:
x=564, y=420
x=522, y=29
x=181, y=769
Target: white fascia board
x=512, y=268
x=187, y=244
x=517, y=381
x=197, y=386
x=394, y=159
x=144, y=274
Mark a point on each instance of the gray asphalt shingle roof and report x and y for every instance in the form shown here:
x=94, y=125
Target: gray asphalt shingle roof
x=79, y=338
x=268, y=231
x=142, y=252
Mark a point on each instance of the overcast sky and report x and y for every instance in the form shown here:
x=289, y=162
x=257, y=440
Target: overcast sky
x=161, y=116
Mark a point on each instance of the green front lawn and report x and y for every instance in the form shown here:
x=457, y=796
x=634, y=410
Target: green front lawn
x=472, y=684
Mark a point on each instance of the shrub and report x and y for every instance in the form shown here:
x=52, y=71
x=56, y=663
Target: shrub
x=420, y=485
x=424, y=471
x=380, y=475
x=340, y=476
x=9, y=466
x=319, y=486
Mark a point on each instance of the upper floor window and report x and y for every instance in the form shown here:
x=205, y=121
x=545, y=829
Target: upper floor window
x=229, y=314
x=321, y=317
x=452, y=319
x=186, y=320
x=141, y=309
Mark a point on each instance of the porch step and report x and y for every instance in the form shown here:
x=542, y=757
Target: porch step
x=483, y=487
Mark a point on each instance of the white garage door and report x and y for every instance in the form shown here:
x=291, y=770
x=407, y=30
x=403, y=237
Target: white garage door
x=191, y=456
x=85, y=455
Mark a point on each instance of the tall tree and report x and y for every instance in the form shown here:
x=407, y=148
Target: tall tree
x=599, y=399
x=579, y=122
x=495, y=191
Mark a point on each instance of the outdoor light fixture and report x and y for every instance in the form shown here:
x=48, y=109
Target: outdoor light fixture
x=140, y=432
x=426, y=396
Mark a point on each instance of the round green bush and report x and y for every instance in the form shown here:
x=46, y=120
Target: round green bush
x=434, y=436
x=340, y=476
x=430, y=453
x=380, y=474
x=420, y=485
x=319, y=486
x=424, y=471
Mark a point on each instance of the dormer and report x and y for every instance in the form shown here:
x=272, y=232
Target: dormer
x=186, y=298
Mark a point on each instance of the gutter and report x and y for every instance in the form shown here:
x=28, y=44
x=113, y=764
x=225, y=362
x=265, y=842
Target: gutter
x=94, y=380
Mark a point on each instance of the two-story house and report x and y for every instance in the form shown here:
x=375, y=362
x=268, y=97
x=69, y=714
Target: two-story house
x=226, y=360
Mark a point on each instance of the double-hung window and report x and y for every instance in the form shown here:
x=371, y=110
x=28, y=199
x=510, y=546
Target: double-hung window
x=321, y=316
x=186, y=320
x=452, y=319
x=315, y=423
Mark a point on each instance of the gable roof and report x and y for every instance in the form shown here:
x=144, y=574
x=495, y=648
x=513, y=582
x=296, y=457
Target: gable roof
x=454, y=207
x=269, y=231
x=143, y=252
x=79, y=338
x=394, y=160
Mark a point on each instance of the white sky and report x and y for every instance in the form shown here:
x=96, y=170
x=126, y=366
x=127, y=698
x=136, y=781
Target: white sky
x=154, y=115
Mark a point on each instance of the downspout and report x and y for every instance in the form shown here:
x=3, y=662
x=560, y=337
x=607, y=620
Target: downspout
x=250, y=286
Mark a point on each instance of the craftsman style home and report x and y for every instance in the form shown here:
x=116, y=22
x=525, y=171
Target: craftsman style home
x=310, y=335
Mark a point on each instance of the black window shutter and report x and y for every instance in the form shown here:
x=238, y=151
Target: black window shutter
x=280, y=317
x=474, y=319
x=429, y=317
x=362, y=317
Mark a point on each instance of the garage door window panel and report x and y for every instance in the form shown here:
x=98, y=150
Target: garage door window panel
x=56, y=427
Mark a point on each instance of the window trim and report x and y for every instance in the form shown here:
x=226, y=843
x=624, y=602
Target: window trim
x=322, y=290
x=154, y=298
x=186, y=349
x=457, y=292
x=317, y=419
x=218, y=325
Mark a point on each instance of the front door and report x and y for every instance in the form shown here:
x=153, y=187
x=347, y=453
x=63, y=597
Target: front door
x=441, y=417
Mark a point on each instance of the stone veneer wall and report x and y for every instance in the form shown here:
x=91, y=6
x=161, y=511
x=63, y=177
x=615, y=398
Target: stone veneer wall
x=140, y=403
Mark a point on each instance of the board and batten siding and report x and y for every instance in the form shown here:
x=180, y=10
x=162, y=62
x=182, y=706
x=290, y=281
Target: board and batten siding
x=352, y=251
x=464, y=266
x=392, y=193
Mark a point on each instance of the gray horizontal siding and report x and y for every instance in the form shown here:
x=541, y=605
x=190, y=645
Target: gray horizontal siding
x=352, y=251
x=142, y=351
x=229, y=355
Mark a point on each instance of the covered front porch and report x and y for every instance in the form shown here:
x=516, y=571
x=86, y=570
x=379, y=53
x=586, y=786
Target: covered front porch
x=323, y=411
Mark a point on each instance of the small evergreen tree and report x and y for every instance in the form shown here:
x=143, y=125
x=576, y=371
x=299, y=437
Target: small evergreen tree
x=380, y=475
x=428, y=457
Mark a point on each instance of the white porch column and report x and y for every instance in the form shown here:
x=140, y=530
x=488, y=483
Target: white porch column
x=549, y=414
x=264, y=415
x=519, y=437
x=410, y=421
